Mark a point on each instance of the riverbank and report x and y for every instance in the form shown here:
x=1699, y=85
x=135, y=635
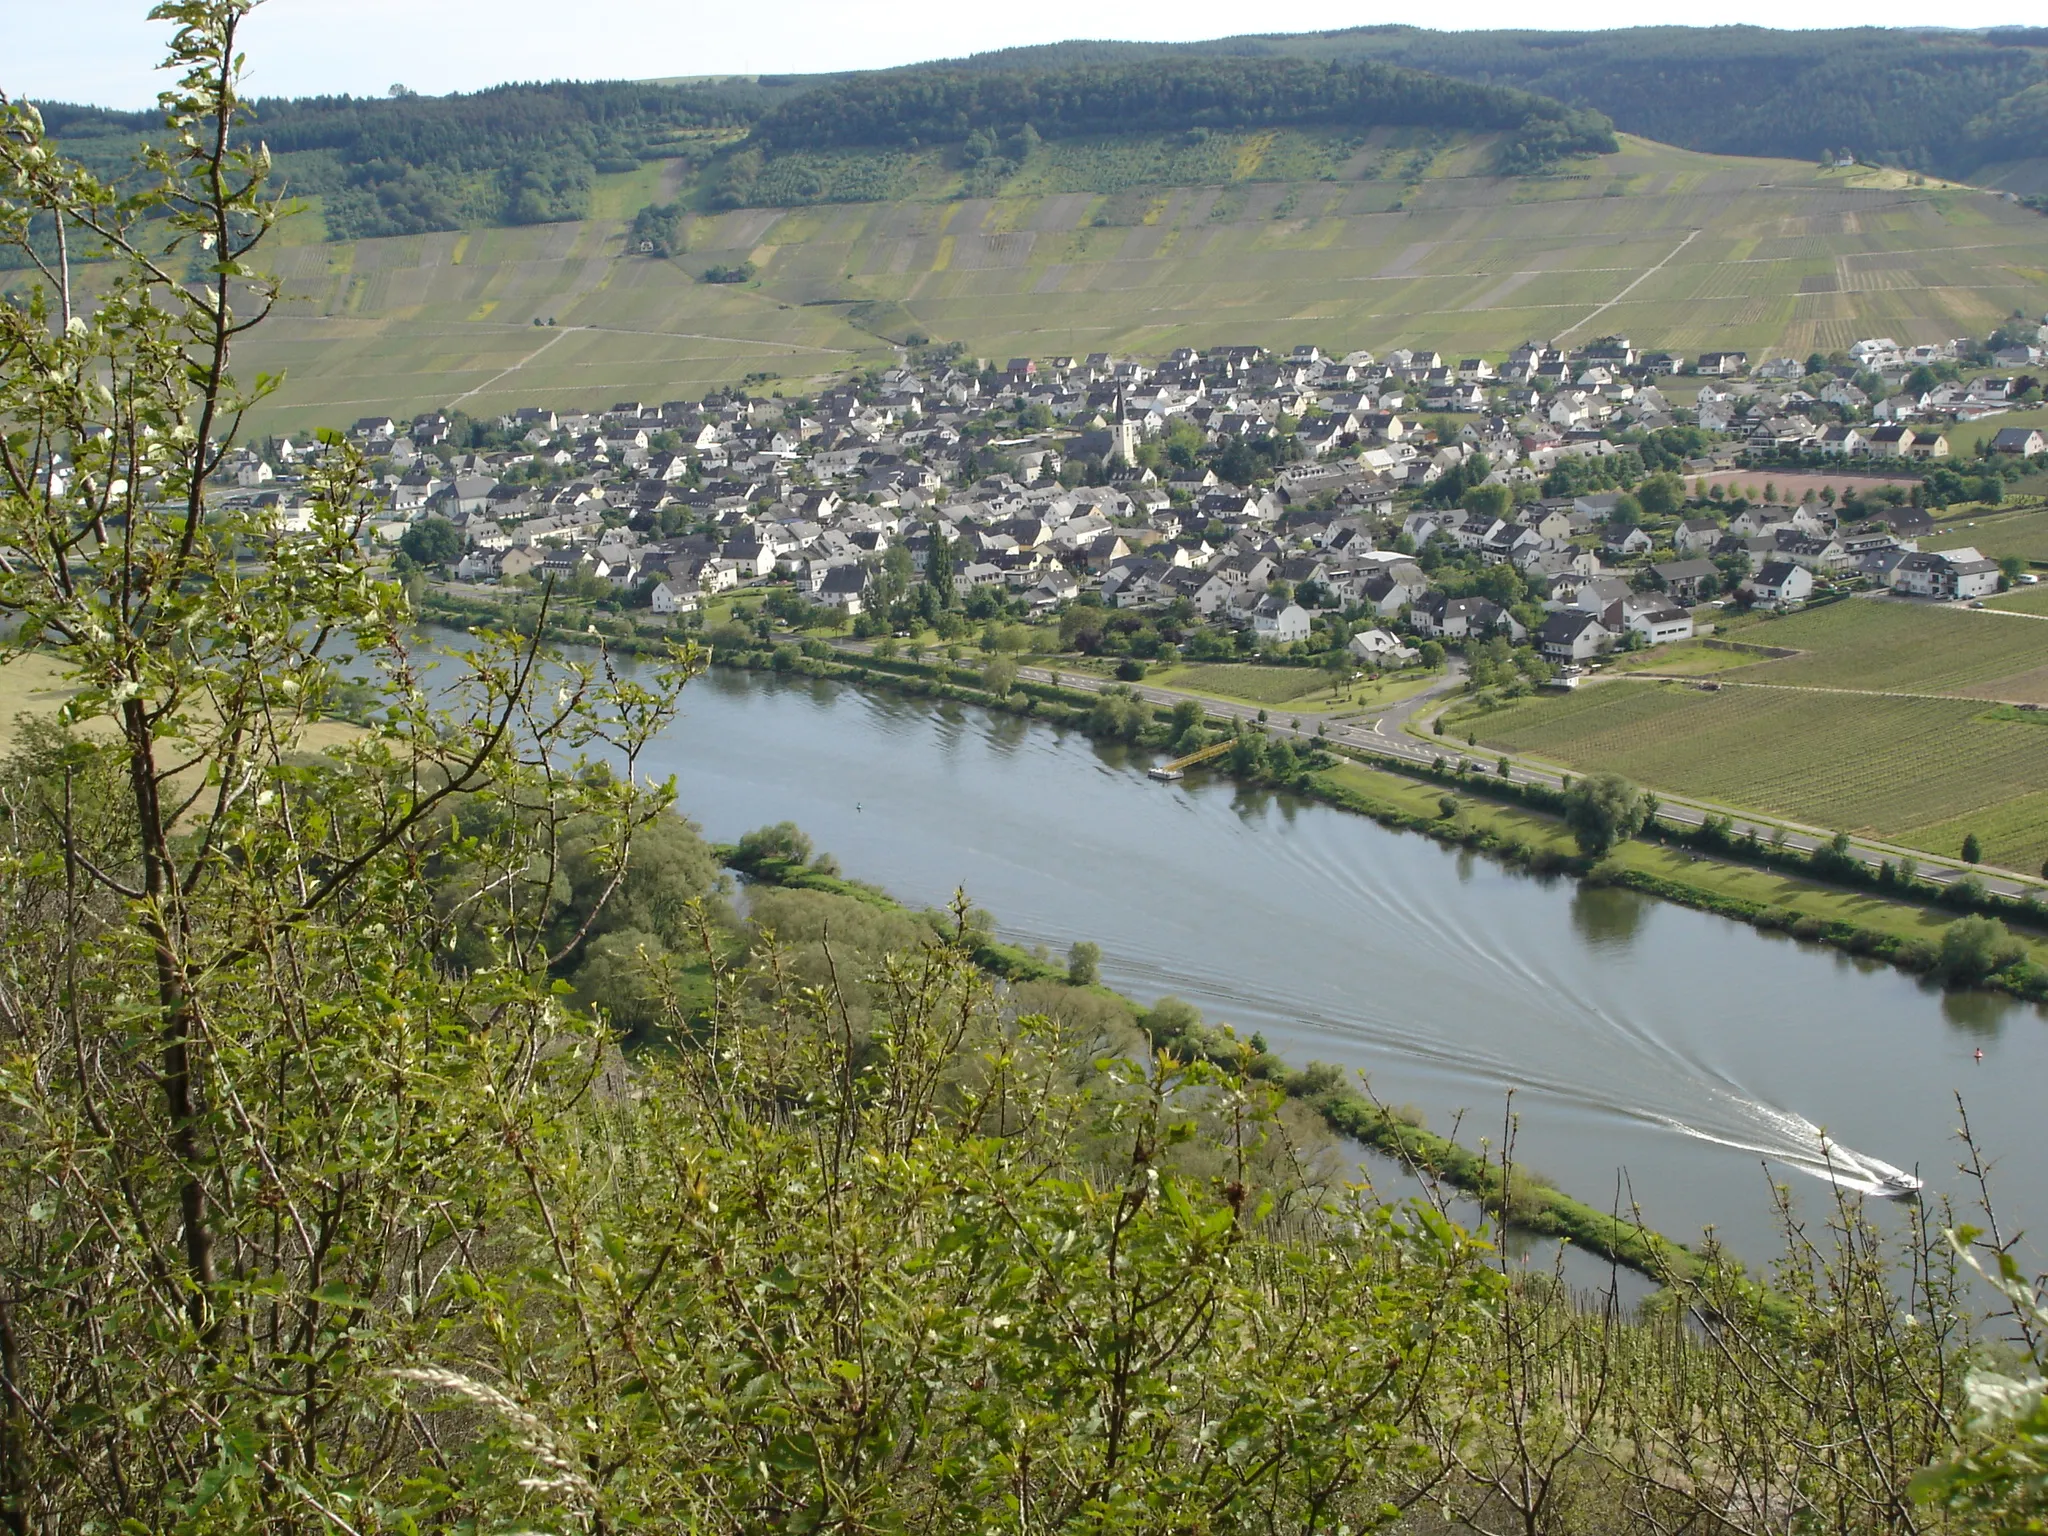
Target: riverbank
x=1817, y=898
x=1508, y=1192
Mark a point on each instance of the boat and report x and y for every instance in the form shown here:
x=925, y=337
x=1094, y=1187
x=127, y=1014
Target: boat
x=1897, y=1186
x=1166, y=774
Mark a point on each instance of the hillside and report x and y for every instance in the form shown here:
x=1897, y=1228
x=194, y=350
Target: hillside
x=1958, y=103
x=1359, y=241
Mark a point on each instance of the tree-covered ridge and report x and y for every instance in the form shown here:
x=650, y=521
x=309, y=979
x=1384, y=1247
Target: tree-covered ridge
x=1932, y=100
x=926, y=105
x=515, y=154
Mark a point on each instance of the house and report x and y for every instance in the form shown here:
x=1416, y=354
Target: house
x=1617, y=539
x=1695, y=535
x=1393, y=589
x=1841, y=441
x=1455, y=618
x=1971, y=577
x=1952, y=573
x=1686, y=581
x=1780, y=584
x=674, y=596
x=2023, y=441
x=1649, y=614
x=1382, y=648
x=1280, y=620
x=1572, y=636
x=845, y=588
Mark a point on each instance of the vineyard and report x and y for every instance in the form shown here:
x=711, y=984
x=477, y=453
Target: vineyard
x=1915, y=771
x=2022, y=600
x=1884, y=646
x=2014, y=533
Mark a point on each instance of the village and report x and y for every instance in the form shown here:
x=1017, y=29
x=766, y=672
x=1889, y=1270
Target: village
x=1258, y=501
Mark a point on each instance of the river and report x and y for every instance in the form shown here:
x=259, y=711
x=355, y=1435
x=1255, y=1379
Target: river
x=1656, y=1055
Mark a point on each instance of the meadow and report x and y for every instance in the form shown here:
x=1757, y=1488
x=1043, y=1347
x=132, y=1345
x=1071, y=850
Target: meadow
x=1918, y=772
x=1361, y=242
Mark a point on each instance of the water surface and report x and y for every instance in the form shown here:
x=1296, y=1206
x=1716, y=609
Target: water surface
x=1656, y=1056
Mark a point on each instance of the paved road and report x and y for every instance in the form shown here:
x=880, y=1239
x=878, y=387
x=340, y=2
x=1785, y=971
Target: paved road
x=1400, y=731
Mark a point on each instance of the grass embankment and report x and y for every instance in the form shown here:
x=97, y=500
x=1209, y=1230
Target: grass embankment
x=1755, y=885
x=1509, y=1193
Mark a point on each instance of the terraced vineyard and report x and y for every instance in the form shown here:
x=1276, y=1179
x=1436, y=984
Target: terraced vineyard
x=1363, y=240
x=1921, y=772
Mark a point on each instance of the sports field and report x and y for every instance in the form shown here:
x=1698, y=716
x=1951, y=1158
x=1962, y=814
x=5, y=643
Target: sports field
x=1389, y=242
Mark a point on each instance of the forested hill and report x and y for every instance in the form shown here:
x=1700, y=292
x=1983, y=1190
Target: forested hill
x=516, y=154
x=1932, y=100
x=912, y=106
x=1957, y=103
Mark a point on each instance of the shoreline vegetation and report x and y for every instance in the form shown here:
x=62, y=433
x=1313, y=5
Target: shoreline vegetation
x=1511, y=1194
x=1827, y=897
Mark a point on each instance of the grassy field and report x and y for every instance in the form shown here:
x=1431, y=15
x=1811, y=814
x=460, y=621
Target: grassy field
x=29, y=685
x=1406, y=241
x=1883, y=644
x=1247, y=684
x=1689, y=658
x=1921, y=772
x=1288, y=687
x=1964, y=436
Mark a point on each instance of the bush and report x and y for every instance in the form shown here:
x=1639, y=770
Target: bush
x=1974, y=949
x=783, y=843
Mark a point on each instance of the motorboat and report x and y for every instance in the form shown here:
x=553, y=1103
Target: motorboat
x=1897, y=1186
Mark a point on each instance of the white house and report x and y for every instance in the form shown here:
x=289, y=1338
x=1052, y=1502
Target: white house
x=1572, y=636
x=1382, y=648
x=1781, y=584
x=675, y=596
x=1280, y=620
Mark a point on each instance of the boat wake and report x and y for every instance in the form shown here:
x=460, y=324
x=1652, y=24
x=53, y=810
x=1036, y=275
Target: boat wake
x=1566, y=1041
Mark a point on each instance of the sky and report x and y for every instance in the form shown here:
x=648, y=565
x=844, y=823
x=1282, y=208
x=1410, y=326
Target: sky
x=105, y=52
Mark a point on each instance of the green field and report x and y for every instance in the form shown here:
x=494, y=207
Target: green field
x=1247, y=684
x=1360, y=242
x=1689, y=658
x=1965, y=436
x=1921, y=772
